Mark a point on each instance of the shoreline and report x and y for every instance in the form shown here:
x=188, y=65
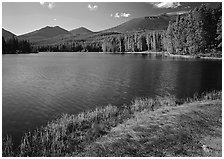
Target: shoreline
x=97, y=132
x=144, y=53
x=166, y=54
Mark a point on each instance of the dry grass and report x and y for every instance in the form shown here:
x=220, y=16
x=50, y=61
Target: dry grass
x=169, y=131
x=147, y=127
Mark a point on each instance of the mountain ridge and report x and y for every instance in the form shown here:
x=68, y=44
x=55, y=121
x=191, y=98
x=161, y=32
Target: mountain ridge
x=45, y=32
x=51, y=34
x=7, y=34
x=142, y=23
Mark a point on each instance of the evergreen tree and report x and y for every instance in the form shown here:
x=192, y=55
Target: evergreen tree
x=4, y=51
x=170, y=39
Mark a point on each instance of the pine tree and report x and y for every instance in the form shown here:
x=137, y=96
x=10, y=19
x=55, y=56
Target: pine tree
x=4, y=51
x=170, y=39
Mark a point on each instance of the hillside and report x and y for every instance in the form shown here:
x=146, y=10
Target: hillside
x=44, y=33
x=80, y=31
x=159, y=22
x=7, y=34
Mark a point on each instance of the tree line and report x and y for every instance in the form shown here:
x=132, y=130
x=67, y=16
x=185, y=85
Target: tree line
x=15, y=46
x=131, y=42
x=77, y=46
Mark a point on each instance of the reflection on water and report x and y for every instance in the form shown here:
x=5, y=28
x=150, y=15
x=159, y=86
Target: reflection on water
x=39, y=88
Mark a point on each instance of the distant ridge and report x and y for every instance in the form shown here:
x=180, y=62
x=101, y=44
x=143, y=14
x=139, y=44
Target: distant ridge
x=46, y=32
x=80, y=31
x=7, y=34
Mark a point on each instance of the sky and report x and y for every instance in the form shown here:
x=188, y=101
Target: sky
x=23, y=17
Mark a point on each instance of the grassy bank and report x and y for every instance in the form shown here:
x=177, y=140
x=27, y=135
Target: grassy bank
x=162, y=126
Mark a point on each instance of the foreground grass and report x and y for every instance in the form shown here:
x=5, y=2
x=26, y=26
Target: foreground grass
x=162, y=126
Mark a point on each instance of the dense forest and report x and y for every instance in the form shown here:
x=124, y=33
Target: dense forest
x=15, y=46
x=198, y=32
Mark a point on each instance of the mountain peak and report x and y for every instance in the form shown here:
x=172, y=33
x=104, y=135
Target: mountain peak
x=80, y=31
x=46, y=32
x=57, y=27
x=51, y=27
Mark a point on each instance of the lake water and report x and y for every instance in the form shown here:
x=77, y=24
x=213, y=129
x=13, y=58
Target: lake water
x=37, y=88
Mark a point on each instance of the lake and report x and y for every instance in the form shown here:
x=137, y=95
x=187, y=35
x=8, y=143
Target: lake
x=37, y=88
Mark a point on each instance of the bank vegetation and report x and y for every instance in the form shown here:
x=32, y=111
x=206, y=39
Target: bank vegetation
x=163, y=126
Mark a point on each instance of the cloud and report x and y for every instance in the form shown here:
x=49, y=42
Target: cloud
x=119, y=15
x=50, y=5
x=54, y=19
x=178, y=12
x=166, y=4
x=125, y=15
x=92, y=7
x=42, y=3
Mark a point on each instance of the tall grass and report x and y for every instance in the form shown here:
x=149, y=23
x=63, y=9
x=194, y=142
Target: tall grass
x=7, y=146
x=70, y=134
